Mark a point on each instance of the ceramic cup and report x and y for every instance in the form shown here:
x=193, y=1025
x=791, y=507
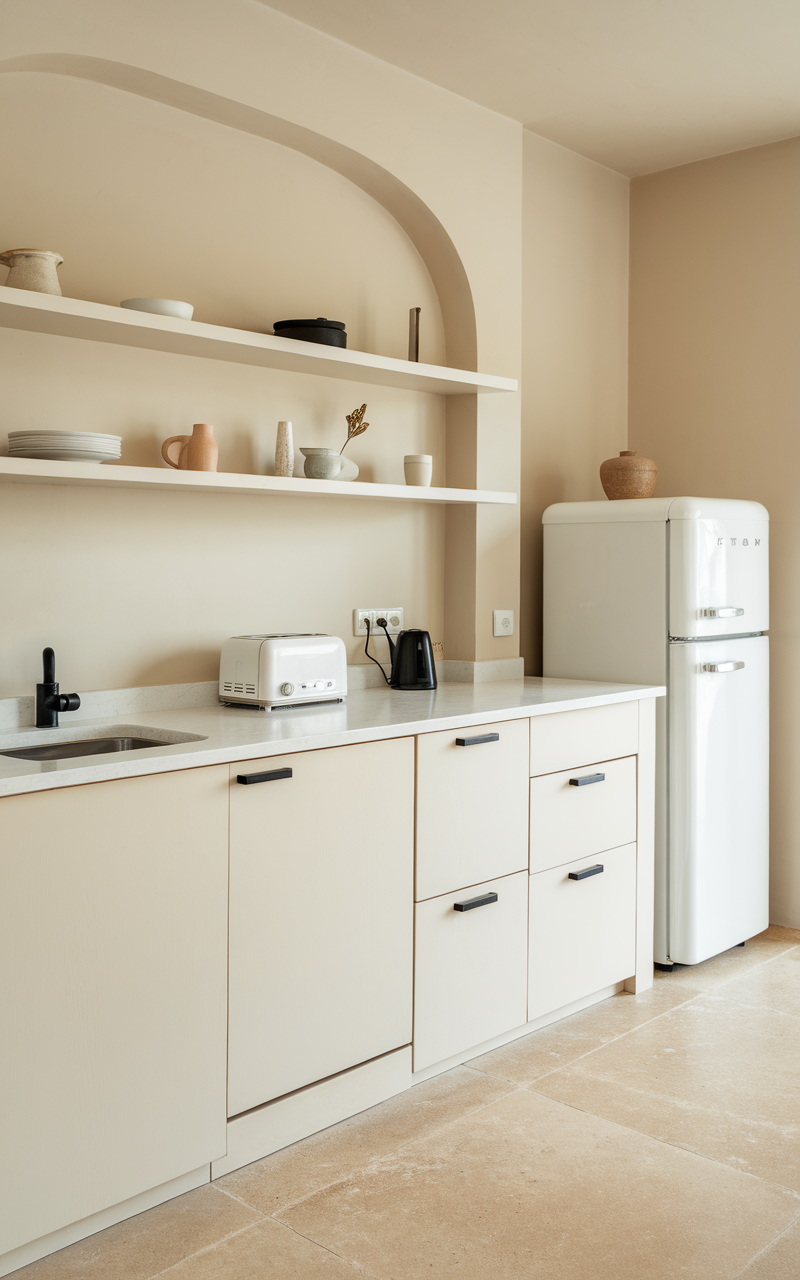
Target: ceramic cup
x=160, y=307
x=418, y=468
x=322, y=464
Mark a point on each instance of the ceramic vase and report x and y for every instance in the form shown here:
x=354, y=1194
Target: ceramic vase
x=284, y=450
x=34, y=269
x=628, y=476
x=198, y=452
x=322, y=464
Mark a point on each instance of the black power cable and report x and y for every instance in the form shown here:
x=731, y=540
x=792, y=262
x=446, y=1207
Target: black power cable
x=381, y=622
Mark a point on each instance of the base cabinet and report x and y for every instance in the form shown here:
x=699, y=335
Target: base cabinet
x=140, y=919
x=321, y=925
x=470, y=972
x=113, y=937
x=582, y=929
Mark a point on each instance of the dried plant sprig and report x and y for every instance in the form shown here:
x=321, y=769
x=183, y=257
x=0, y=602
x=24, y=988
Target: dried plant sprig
x=355, y=426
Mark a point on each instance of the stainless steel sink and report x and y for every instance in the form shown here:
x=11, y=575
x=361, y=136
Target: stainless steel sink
x=89, y=740
x=88, y=747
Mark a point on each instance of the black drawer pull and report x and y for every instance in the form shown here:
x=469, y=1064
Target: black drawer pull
x=585, y=782
x=474, y=742
x=587, y=871
x=469, y=904
x=247, y=779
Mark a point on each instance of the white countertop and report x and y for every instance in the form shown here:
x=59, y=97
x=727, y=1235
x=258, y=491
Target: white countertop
x=228, y=734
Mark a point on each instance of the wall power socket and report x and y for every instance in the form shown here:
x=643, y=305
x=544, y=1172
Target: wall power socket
x=394, y=621
x=503, y=620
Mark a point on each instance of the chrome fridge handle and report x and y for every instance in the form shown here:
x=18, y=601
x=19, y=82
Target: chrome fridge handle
x=721, y=667
x=722, y=611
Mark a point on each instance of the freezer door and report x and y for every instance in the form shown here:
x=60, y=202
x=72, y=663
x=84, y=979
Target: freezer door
x=718, y=863
x=718, y=576
x=605, y=601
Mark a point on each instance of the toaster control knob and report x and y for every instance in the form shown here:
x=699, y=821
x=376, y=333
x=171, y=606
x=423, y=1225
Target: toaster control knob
x=287, y=689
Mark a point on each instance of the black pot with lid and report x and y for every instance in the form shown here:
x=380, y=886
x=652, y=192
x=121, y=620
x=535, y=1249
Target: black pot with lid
x=329, y=332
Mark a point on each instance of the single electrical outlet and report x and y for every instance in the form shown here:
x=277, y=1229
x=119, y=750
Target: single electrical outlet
x=394, y=621
x=503, y=622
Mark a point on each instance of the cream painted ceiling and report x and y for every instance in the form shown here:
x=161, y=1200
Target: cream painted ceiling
x=637, y=85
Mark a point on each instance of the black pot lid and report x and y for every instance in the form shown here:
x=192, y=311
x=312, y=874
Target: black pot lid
x=319, y=323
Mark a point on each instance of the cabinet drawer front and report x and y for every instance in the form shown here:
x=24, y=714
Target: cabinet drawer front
x=472, y=805
x=582, y=931
x=321, y=916
x=582, y=811
x=470, y=967
x=570, y=739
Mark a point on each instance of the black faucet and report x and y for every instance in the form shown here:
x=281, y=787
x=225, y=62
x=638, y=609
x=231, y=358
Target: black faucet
x=48, y=700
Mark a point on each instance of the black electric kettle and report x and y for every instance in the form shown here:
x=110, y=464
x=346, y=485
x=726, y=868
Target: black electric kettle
x=412, y=660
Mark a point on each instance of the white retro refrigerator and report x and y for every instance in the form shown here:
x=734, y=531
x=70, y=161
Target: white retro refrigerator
x=675, y=591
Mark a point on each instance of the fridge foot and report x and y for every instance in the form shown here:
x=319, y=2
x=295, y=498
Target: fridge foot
x=665, y=968
x=740, y=944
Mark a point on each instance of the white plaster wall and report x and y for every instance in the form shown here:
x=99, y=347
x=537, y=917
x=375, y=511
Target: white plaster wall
x=142, y=198
x=575, y=346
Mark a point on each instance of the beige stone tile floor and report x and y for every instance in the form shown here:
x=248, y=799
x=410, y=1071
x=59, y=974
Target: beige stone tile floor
x=650, y=1137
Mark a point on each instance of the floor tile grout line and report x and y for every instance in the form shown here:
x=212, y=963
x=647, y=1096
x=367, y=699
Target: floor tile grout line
x=238, y=1199
x=767, y=1247
x=581, y=1056
x=676, y=1146
x=207, y=1248
x=347, y=1261
x=665, y=1013
x=680, y=1104
x=374, y=1159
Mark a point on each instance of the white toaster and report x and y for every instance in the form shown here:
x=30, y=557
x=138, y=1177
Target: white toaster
x=282, y=670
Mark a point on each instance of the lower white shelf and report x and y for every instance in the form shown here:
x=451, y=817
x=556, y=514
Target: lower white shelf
x=31, y=471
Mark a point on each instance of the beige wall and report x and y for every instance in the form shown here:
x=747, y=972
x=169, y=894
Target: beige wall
x=574, y=319
x=143, y=198
x=715, y=392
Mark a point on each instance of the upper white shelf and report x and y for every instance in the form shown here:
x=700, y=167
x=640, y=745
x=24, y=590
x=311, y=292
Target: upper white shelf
x=72, y=318
x=34, y=471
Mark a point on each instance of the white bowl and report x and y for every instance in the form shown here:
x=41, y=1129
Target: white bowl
x=160, y=307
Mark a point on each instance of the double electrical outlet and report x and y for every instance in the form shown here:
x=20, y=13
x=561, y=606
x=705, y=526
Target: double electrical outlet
x=393, y=617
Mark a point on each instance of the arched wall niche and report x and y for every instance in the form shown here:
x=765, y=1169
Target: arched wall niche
x=417, y=220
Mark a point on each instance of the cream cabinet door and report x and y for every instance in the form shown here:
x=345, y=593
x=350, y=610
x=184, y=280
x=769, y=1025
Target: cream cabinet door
x=582, y=929
x=472, y=805
x=470, y=978
x=582, y=811
x=320, y=916
x=113, y=934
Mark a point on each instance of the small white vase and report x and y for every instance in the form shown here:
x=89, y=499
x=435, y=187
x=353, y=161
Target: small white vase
x=34, y=269
x=284, y=450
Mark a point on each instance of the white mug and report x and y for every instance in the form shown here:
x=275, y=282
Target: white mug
x=418, y=468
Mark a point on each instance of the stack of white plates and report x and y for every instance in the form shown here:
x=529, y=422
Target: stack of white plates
x=64, y=446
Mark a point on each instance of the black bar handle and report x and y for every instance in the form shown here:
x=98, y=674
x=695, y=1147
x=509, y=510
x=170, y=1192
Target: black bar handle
x=469, y=904
x=474, y=742
x=587, y=871
x=247, y=779
x=587, y=780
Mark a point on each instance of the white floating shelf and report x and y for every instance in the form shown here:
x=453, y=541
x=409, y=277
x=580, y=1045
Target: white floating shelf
x=72, y=318
x=32, y=471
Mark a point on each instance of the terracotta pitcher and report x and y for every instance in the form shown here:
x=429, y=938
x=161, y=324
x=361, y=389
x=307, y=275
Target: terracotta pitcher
x=198, y=452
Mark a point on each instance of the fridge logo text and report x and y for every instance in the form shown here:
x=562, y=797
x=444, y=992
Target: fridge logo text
x=745, y=542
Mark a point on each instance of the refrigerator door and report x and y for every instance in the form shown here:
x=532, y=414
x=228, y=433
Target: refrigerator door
x=719, y=569
x=718, y=796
